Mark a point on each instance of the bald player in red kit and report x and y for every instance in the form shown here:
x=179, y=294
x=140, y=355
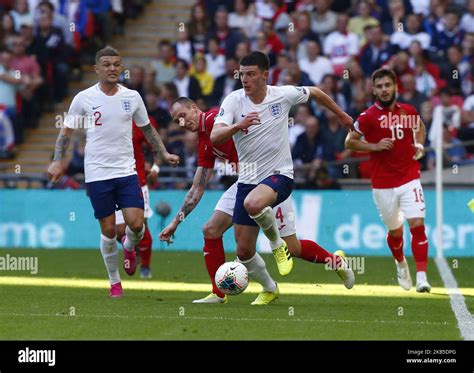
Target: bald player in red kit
x=186, y=113
x=394, y=135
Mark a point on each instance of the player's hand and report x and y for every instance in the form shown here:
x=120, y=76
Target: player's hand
x=346, y=121
x=251, y=119
x=55, y=171
x=167, y=233
x=419, y=151
x=384, y=144
x=171, y=159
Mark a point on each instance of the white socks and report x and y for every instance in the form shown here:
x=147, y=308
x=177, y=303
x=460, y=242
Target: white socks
x=108, y=248
x=267, y=223
x=258, y=272
x=132, y=238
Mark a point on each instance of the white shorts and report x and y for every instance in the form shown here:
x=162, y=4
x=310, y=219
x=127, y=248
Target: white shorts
x=284, y=212
x=148, y=211
x=394, y=204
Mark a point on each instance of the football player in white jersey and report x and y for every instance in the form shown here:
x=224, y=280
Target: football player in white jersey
x=256, y=116
x=106, y=110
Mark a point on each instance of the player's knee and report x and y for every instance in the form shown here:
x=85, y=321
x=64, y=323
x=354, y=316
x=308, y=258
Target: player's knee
x=252, y=206
x=244, y=253
x=136, y=226
x=416, y=222
x=109, y=231
x=397, y=233
x=210, y=230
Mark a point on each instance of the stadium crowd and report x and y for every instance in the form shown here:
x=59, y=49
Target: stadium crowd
x=335, y=45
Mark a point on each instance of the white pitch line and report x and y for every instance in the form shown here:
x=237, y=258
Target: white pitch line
x=220, y=318
x=458, y=304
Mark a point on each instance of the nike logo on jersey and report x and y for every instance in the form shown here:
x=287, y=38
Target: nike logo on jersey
x=96, y=107
x=423, y=209
x=283, y=226
x=232, y=268
x=243, y=115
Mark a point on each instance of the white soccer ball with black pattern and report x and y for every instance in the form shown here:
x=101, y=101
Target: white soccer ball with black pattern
x=232, y=278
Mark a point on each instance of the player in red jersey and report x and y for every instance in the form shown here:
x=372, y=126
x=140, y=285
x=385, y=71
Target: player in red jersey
x=185, y=112
x=145, y=245
x=394, y=135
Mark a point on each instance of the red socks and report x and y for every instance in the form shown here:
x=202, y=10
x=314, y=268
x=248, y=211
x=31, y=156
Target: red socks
x=312, y=252
x=395, y=245
x=145, y=249
x=214, y=257
x=419, y=247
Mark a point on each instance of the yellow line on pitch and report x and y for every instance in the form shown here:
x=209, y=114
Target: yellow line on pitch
x=286, y=288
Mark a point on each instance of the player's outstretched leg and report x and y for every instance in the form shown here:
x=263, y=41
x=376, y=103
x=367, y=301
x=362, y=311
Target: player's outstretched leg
x=214, y=257
x=145, y=250
x=266, y=220
x=258, y=271
x=108, y=249
x=311, y=252
x=129, y=241
x=419, y=247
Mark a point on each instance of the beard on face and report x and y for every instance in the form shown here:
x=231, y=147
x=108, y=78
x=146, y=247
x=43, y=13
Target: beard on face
x=387, y=102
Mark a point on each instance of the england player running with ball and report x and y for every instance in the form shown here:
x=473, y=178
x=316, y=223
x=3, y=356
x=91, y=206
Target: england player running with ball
x=256, y=117
x=107, y=110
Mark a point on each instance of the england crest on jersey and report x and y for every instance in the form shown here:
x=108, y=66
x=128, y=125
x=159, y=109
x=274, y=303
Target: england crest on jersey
x=127, y=105
x=275, y=109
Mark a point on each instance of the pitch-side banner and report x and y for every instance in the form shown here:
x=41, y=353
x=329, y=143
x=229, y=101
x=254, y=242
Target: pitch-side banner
x=345, y=220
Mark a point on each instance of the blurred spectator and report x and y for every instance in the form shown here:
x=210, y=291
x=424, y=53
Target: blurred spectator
x=358, y=23
x=425, y=82
x=324, y=20
x=102, y=19
x=241, y=50
x=278, y=72
x=227, y=83
x=457, y=72
x=21, y=14
x=187, y=85
x=340, y=45
x=410, y=95
x=243, y=20
x=274, y=43
x=467, y=20
x=330, y=86
x=294, y=47
x=8, y=28
x=394, y=17
x=198, y=26
x=315, y=65
x=295, y=76
x=376, y=52
x=297, y=124
x=412, y=31
x=7, y=137
x=200, y=72
x=445, y=114
x=59, y=21
x=9, y=85
x=303, y=27
x=332, y=144
x=161, y=116
x=453, y=153
x=49, y=49
x=183, y=47
x=215, y=60
x=75, y=166
x=164, y=64
x=307, y=144
x=137, y=80
x=466, y=133
x=447, y=33
x=228, y=38
x=353, y=81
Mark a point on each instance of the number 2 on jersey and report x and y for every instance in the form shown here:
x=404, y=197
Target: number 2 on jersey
x=97, y=116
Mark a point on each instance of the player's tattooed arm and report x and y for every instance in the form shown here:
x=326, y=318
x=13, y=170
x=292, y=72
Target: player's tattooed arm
x=55, y=169
x=159, y=149
x=194, y=195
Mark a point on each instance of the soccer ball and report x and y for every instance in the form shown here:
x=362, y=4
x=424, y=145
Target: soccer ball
x=232, y=278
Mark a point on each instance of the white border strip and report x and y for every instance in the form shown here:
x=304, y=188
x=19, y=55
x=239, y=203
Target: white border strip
x=458, y=304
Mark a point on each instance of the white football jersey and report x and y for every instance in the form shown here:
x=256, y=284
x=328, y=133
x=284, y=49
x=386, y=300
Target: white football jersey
x=263, y=149
x=108, y=123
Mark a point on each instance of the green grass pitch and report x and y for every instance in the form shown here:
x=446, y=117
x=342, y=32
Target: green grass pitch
x=68, y=300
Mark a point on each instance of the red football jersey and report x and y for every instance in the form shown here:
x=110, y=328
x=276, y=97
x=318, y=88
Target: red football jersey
x=139, y=140
x=207, y=153
x=395, y=167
